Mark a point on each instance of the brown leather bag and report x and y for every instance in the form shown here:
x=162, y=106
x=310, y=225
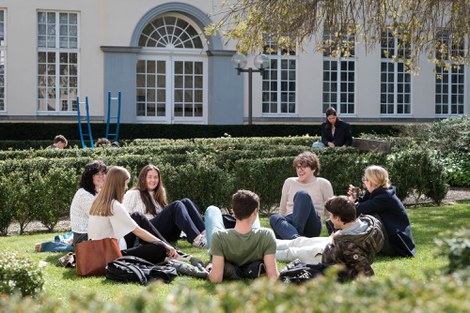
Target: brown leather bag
x=92, y=256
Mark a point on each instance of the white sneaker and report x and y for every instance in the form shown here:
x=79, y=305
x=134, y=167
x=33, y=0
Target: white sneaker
x=200, y=242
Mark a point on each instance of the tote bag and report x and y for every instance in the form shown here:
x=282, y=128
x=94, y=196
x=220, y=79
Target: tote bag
x=92, y=256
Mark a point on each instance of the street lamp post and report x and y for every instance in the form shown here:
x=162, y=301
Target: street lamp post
x=261, y=63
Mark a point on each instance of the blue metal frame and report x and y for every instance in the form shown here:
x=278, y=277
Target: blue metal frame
x=116, y=117
x=87, y=119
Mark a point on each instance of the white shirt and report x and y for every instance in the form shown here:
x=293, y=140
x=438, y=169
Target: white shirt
x=133, y=203
x=79, y=210
x=115, y=226
x=318, y=188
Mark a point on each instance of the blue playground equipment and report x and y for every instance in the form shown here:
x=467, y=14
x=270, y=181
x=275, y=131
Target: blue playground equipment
x=110, y=118
x=82, y=119
x=116, y=118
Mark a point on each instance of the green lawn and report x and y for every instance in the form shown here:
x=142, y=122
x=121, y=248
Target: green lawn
x=427, y=222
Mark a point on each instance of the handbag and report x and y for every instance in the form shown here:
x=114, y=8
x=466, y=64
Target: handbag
x=92, y=256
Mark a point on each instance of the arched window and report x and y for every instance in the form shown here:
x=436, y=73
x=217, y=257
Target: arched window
x=170, y=32
x=172, y=72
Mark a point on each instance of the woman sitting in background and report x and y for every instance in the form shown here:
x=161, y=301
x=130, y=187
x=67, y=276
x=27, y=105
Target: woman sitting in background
x=109, y=218
x=381, y=201
x=149, y=197
x=91, y=182
x=334, y=132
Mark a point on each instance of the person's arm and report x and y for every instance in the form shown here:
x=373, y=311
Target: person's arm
x=348, y=136
x=270, y=264
x=324, y=134
x=283, y=202
x=216, y=275
x=371, y=206
x=148, y=237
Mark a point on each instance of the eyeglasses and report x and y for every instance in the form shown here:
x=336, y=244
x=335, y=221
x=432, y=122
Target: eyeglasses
x=300, y=166
x=364, y=179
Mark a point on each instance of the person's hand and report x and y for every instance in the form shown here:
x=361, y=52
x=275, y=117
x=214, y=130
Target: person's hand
x=331, y=145
x=171, y=252
x=209, y=267
x=352, y=193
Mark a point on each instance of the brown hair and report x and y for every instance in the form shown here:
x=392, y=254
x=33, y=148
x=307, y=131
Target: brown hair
x=113, y=189
x=342, y=207
x=61, y=138
x=244, y=202
x=309, y=159
x=159, y=194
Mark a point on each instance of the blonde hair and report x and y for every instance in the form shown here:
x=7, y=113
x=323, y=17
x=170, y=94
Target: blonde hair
x=113, y=189
x=377, y=176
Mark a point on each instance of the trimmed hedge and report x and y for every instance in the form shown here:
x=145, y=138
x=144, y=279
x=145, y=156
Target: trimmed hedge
x=396, y=293
x=208, y=171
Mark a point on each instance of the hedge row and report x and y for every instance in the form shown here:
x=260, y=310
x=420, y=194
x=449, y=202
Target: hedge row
x=207, y=171
x=397, y=293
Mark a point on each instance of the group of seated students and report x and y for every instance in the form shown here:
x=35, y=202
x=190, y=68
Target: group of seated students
x=147, y=226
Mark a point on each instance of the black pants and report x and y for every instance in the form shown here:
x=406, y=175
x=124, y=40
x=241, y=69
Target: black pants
x=152, y=252
x=141, y=220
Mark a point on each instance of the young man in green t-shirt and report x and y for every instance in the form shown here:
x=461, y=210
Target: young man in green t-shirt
x=234, y=250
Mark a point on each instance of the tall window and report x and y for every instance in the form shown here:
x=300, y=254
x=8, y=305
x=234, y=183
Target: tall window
x=2, y=60
x=395, y=81
x=58, y=57
x=279, y=84
x=339, y=74
x=450, y=79
x=170, y=74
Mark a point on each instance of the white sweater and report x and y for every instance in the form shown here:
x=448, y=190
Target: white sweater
x=318, y=188
x=133, y=203
x=79, y=210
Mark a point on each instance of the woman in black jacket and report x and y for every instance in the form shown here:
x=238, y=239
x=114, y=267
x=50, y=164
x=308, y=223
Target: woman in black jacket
x=335, y=132
x=381, y=201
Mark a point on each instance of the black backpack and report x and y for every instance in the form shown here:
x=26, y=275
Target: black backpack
x=298, y=272
x=129, y=269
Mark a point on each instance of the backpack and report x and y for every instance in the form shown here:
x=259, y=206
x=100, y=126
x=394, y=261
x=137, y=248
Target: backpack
x=298, y=272
x=129, y=269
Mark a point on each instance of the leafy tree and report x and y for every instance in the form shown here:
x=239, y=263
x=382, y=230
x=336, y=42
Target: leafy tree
x=290, y=24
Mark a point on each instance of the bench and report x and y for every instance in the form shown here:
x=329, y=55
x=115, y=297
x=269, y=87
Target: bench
x=368, y=145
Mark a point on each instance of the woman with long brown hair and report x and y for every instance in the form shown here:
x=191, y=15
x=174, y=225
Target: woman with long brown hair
x=148, y=197
x=109, y=218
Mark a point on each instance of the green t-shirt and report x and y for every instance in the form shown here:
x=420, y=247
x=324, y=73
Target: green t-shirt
x=241, y=249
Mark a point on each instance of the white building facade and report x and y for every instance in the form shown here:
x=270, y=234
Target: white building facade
x=156, y=55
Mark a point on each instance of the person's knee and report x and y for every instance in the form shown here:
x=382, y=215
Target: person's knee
x=274, y=219
x=302, y=195
x=211, y=212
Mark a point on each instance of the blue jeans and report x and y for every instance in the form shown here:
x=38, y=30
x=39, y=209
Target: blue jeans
x=303, y=221
x=213, y=220
x=180, y=215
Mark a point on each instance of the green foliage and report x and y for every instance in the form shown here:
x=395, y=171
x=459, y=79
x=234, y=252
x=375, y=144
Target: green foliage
x=418, y=171
x=18, y=274
x=395, y=294
x=455, y=245
x=6, y=214
x=53, y=193
x=457, y=166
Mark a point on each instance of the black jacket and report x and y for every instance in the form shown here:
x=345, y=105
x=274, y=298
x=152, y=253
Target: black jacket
x=385, y=204
x=342, y=136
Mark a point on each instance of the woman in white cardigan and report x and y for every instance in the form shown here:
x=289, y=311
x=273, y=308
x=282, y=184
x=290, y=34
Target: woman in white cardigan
x=149, y=198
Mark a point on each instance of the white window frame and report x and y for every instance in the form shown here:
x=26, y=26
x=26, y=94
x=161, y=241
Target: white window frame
x=3, y=61
x=279, y=56
x=170, y=55
x=338, y=104
x=453, y=80
x=398, y=69
x=57, y=101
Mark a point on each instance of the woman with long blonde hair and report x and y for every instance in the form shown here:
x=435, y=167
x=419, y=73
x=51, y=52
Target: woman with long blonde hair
x=109, y=218
x=381, y=201
x=148, y=197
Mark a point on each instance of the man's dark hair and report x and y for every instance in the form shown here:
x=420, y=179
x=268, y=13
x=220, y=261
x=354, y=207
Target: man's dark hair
x=341, y=207
x=244, y=202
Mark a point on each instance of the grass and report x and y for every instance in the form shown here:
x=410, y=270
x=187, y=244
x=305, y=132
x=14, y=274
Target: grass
x=427, y=223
